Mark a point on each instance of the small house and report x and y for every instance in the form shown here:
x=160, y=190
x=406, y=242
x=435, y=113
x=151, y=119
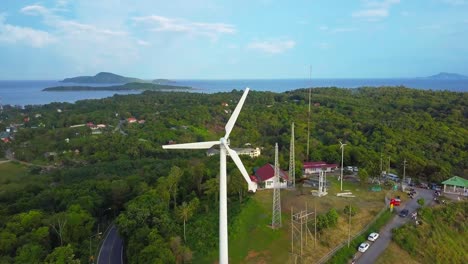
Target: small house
x=264, y=176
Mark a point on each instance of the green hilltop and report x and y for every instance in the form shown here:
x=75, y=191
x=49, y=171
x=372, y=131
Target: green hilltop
x=102, y=77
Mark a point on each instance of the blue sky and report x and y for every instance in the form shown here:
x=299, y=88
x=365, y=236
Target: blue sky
x=204, y=39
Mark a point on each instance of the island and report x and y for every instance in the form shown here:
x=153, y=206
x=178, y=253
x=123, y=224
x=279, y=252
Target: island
x=447, y=76
x=163, y=81
x=136, y=86
x=102, y=77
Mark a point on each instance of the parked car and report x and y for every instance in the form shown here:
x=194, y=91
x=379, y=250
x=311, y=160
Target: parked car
x=404, y=213
x=355, y=169
x=373, y=236
x=363, y=247
x=395, y=201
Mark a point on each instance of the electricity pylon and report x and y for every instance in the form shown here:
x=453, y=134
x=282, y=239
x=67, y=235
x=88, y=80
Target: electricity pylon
x=276, y=218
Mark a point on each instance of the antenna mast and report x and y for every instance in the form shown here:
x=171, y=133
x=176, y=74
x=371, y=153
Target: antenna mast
x=276, y=218
x=292, y=165
x=308, y=118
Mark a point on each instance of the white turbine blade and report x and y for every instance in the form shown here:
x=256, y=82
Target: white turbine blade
x=237, y=160
x=235, y=114
x=196, y=145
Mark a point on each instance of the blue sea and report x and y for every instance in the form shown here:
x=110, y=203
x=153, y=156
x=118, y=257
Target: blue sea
x=30, y=92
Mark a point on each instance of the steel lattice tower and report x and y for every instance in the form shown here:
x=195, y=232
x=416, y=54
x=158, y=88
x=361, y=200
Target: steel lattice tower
x=276, y=218
x=292, y=158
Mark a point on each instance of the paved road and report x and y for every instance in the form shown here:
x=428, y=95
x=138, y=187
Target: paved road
x=379, y=246
x=111, y=251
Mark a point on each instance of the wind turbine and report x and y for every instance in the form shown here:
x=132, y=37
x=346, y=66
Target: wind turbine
x=342, y=152
x=224, y=149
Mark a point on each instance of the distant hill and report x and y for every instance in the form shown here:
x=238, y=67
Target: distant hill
x=163, y=81
x=125, y=87
x=102, y=77
x=447, y=76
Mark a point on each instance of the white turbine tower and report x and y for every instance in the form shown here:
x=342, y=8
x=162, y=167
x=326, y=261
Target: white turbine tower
x=224, y=149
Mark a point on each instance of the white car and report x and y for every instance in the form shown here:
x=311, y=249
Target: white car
x=363, y=247
x=373, y=236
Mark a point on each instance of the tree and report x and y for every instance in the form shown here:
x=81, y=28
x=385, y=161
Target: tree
x=211, y=187
x=363, y=176
x=185, y=211
x=183, y=254
x=58, y=223
x=421, y=201
x=353, y=210
x=30, y=253
x=173, y=181
x=62, y=255
x=237, y=184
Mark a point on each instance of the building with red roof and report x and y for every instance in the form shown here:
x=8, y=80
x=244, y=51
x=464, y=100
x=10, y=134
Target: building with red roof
x=311, y=167
x=264, y=177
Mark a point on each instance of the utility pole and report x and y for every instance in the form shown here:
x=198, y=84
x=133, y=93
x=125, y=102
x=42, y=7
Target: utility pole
x=315, y=222
x=404, y=175
x=342, y=152
x=308, y=119
x=388, y=171
x=349, y=224
x=381, y=165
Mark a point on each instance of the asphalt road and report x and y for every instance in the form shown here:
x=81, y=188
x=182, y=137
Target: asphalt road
x=379, y=246
x=111, y=251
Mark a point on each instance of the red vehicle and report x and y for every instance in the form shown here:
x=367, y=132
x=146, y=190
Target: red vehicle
x=395, y=202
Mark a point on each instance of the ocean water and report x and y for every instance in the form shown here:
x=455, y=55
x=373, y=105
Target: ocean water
x=30, y=92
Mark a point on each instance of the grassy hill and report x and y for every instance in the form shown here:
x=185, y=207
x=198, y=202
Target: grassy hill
x=442, y=238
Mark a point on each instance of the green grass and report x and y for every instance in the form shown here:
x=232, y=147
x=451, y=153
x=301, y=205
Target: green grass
x=346, y=253
x=252, y=240
x=395, y=254
x=442, y=236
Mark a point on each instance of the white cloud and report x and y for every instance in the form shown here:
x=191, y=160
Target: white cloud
x=324, y=45
x=430, y=27
x=166, y=24
x=340, y=30
x=375, y=10
x=272, y=47
x=371, y=13
x=16, y=34
x=324, y=28
x=35, y=10
x=337, y=30
x=405, y=13
x=86, y=45
x=143, y=43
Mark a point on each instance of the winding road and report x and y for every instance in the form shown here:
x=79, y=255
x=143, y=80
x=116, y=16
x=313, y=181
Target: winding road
x=111, y=251
x=379, y=246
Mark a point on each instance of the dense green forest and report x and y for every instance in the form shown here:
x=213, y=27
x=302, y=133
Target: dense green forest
x=81, y=180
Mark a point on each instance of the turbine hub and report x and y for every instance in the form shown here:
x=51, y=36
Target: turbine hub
x=224, y=141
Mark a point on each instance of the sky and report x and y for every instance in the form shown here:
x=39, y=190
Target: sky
x=250, y=39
